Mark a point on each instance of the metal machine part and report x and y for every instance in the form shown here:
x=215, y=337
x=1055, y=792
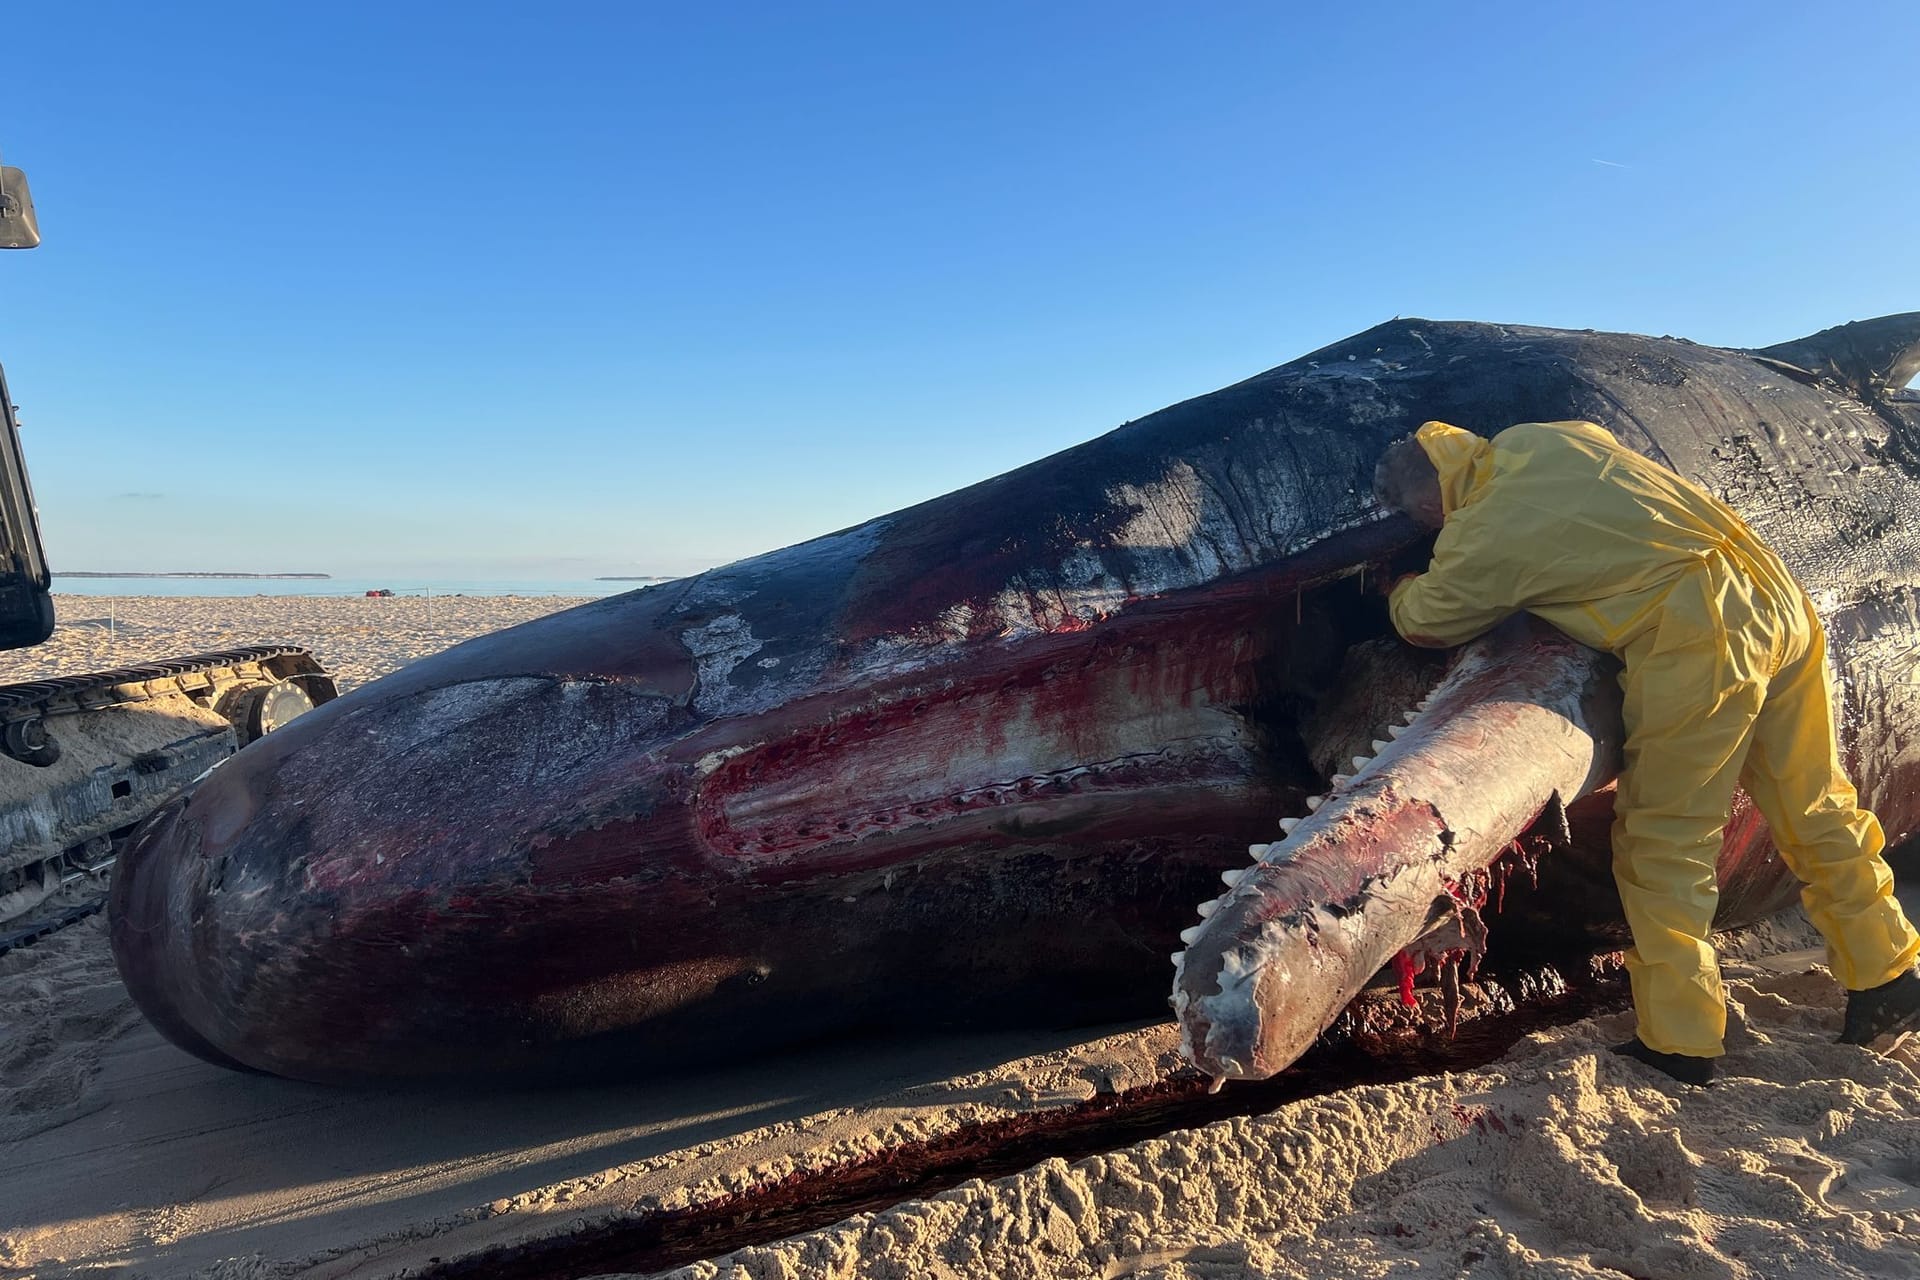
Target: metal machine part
x=19, y=228
x=84, y=758
x=26, y=609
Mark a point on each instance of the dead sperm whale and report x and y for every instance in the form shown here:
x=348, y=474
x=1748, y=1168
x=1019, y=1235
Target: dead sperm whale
x=977, y=760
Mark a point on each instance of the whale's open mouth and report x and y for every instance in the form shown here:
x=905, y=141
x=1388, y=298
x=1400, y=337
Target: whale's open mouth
x=1397, y=852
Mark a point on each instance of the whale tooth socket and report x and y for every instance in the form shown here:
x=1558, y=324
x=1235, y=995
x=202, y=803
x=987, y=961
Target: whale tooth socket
x=1188, y=935
x=1287, y=825
x=1231, y=876
x=1314, y=802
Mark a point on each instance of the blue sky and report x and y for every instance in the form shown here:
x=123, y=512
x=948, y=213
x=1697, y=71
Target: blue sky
x=497, y=290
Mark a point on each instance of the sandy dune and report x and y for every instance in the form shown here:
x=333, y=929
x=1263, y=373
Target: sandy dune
x=122, y=1156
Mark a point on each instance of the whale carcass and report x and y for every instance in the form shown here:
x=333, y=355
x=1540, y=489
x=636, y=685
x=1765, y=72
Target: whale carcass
x=978, y=760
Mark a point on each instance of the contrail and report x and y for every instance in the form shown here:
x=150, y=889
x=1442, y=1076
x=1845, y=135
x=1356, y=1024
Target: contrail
x=1612, y=164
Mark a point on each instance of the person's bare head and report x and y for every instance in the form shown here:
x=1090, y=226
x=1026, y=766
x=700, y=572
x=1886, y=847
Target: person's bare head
x=1405, y=480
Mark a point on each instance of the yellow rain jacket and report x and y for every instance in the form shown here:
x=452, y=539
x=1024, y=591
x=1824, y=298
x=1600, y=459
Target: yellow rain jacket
x=1725, y=683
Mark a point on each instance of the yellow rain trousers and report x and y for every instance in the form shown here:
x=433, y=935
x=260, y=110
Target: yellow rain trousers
x=1726, y=683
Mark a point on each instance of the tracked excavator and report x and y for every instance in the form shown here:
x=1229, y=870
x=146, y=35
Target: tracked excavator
x=84, y=758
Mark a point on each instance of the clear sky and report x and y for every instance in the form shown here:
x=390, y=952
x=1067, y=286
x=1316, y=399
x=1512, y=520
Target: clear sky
x=565, y=289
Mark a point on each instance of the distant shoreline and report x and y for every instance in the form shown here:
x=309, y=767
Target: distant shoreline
x=86, y=573
x=631, y=578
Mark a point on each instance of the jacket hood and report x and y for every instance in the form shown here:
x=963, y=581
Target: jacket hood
x=1459, y=456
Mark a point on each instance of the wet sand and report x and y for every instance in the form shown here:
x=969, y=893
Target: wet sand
x=122, y=1156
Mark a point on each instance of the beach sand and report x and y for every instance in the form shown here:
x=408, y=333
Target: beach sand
x=1562, y=1160
x=122, y=1156
x=356, y=638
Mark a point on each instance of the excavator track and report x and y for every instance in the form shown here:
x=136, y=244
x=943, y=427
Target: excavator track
x=85, y=758
x=137, y=683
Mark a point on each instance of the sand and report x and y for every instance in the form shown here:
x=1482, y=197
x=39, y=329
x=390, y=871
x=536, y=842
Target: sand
x=121, y=1156
x=1562, y=1160
x=127, y=1157
x=61, y=1004
x=357, y=638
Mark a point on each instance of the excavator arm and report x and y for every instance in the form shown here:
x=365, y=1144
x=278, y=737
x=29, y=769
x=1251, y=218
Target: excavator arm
x=26, y=610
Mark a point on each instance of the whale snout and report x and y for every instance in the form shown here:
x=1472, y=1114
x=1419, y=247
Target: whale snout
x=360, y=832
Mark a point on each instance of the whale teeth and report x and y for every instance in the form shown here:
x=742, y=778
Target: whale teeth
x=1287, y=825
x=1395, y=730
x=1342, y=779
x=1422, y=704
x=1177, y=957
x=1258, y=851
x=1231, y=876
x=1314, y=802
x=1411, y=716
x=1229, y=1067
x=1378, y=746
x=1361, y=762
x=1188, y=935
x=1208, y=907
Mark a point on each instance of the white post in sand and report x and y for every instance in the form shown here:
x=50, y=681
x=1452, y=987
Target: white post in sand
x=429, y=608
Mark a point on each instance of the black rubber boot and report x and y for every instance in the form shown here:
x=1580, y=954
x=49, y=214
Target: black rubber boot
x=1685, y=1068
x=1888, y=1009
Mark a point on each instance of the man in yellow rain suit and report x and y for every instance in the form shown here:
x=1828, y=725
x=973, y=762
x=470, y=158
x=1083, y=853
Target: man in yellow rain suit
x=1725, y=683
